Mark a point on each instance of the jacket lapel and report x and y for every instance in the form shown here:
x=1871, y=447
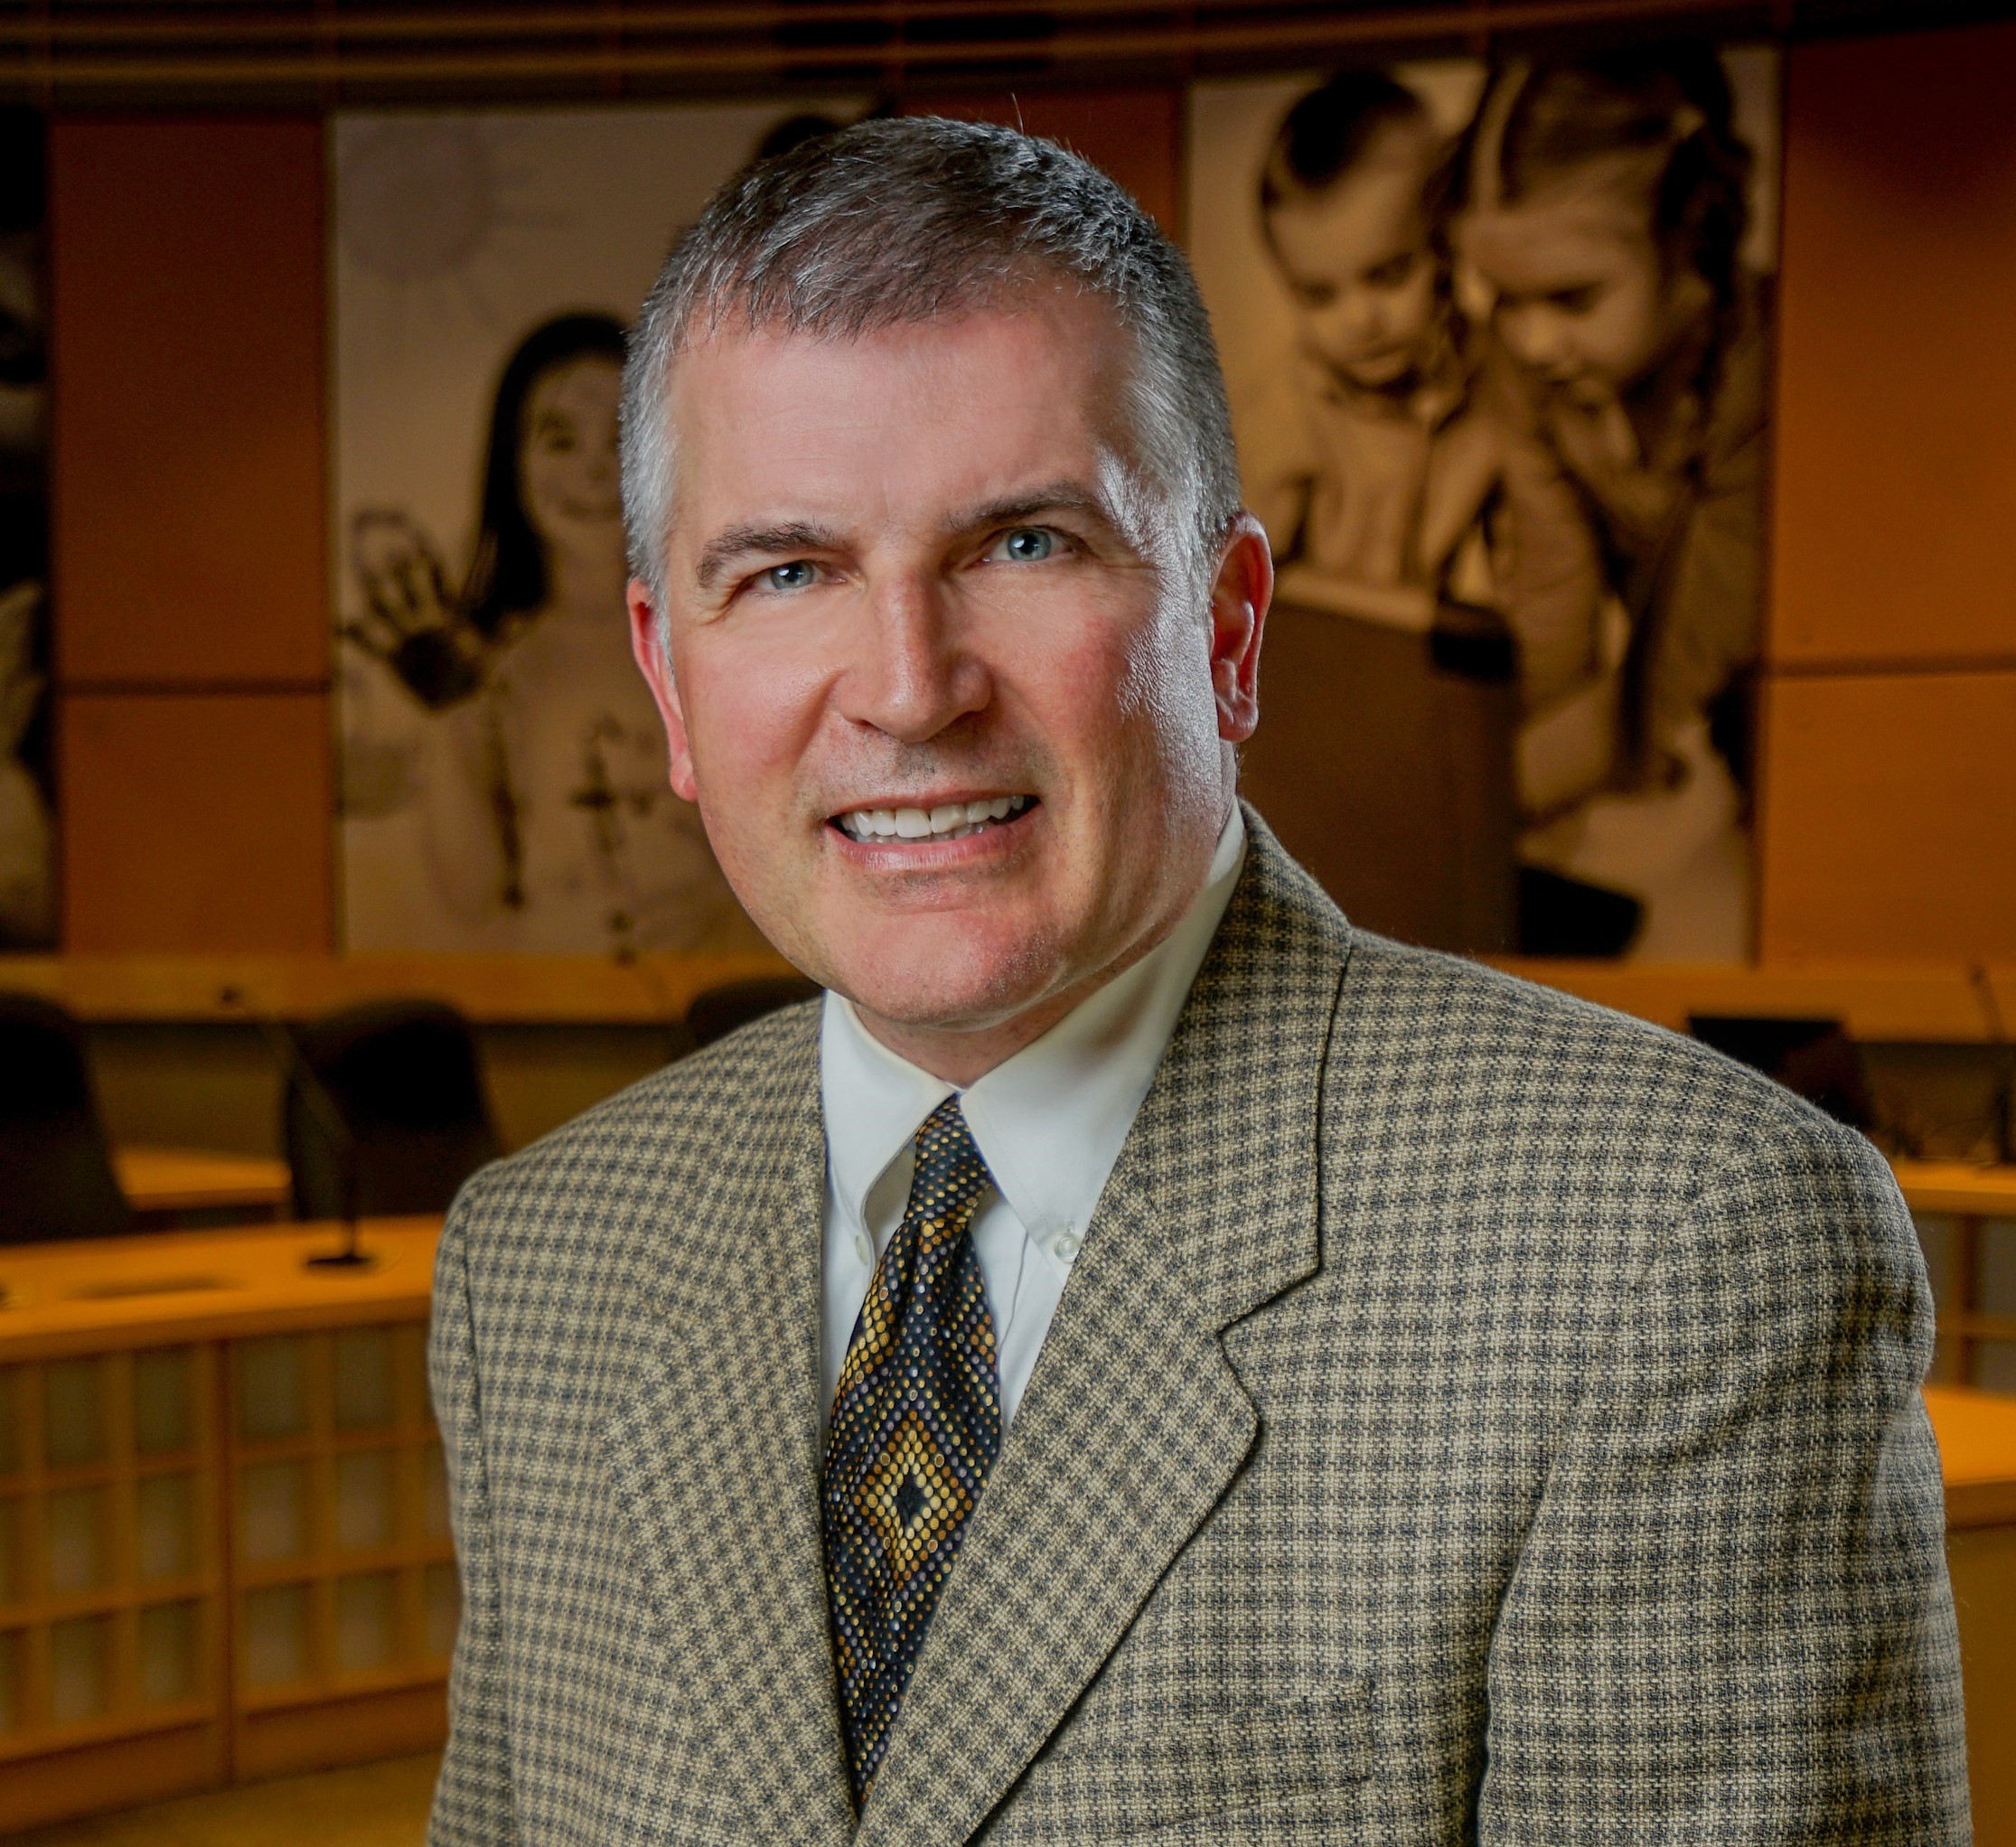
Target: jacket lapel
x=1134, y=1424
x=716, y=1460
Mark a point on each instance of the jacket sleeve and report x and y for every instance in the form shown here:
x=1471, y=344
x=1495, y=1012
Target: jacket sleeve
x=472, y=1799
x=1730, y=1620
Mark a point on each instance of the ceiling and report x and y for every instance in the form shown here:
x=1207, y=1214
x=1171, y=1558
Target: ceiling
x=95, y=54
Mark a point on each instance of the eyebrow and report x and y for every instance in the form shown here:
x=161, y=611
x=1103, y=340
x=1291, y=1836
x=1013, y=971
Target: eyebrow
x=759, y=541
x=1014, y=509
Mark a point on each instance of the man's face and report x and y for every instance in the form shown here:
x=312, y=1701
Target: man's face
x=956, y=718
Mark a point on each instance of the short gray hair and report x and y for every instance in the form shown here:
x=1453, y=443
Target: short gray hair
x=914, y=219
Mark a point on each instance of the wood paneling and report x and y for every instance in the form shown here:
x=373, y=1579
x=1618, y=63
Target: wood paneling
x=1136, y=134
x=1896, y=487
x=187, y=329
x=196, y=822
x=1888, y=811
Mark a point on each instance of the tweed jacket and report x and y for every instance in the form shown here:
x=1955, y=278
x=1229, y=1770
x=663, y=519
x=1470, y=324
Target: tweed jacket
x=1473, y=1416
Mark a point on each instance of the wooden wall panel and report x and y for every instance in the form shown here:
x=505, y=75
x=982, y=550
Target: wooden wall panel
x=196, y=822
x=1896, y=488
x=188, y=338
x=1889, y=810
x=1136, y=134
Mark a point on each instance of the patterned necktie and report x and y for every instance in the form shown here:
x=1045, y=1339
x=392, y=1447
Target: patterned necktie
x=916, y=1427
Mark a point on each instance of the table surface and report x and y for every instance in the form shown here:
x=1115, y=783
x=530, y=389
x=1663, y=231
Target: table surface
x=163, y=1288
x=180, y=1180
x=1958, y=1186
x=1977, y=1454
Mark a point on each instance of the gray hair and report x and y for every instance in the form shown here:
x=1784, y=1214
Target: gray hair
x=898, y=221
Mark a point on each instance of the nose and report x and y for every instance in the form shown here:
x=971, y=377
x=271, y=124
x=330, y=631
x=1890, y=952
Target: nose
x=911, y=678
x=1534, y=336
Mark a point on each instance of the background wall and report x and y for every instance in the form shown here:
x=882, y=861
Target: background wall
x=1890, y=767
x=194, y=733
x=191, y=641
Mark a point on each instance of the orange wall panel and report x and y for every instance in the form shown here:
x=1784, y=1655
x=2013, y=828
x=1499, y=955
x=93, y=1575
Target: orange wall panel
x=196, y=822
x=1888, y=814
x=1896, y=476
x=1136, y=134
x=187, y=318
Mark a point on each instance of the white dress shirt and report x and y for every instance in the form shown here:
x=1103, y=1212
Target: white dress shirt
x=1049, y=1122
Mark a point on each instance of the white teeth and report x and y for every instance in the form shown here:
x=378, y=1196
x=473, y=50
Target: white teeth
x=951, y=820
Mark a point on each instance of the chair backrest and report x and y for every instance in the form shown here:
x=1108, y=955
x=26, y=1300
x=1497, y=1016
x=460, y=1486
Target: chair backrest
x=402, y=1080
x=58, y=1179
x=718, y=1012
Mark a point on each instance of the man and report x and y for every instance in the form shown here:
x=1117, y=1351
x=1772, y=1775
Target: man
x=1141, y=1360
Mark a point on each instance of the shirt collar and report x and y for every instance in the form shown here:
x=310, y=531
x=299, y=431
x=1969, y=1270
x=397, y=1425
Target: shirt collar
x=1050, y=1121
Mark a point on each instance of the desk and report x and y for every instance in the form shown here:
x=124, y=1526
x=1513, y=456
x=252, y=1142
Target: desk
x=1977, y=1450
x=165, y=1182
x=224, y=1548
x=1968, y=1196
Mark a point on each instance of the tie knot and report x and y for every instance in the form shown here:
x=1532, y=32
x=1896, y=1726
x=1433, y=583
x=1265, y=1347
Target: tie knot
x=950, y=1173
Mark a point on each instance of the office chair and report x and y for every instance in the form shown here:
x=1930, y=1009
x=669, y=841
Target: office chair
x=718, y=1012
x=58, y=1179
x=384, y=1111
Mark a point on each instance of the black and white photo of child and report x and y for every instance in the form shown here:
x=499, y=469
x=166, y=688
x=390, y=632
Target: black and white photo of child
x=1604, y=214
x=541, y=788
x=503, y=779
x=1503, y=689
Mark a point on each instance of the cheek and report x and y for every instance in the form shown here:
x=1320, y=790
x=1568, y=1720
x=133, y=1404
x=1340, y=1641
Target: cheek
x=1413, y=306
x=748, y=710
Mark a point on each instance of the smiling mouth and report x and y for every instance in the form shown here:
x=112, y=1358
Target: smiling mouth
x=950, y=821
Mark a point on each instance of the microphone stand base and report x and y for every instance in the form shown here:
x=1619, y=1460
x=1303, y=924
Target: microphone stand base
x=341, y=1259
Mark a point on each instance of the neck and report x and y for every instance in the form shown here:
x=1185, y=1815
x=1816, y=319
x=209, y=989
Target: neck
x=963, y=1056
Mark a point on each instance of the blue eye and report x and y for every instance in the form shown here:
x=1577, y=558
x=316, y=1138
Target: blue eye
x=1029, y=544
x=797, y=574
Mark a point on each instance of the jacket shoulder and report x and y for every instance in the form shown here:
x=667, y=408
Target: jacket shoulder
x=1538, y=1076
x=659, y=1137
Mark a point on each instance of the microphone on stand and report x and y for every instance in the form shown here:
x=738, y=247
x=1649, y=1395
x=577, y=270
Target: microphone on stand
x=296, y=1071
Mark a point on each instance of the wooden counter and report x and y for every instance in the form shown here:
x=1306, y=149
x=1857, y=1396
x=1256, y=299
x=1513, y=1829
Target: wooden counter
x=224, y=1546
x=163, y=1182
x=1977, y=1451
x=1970, y=1196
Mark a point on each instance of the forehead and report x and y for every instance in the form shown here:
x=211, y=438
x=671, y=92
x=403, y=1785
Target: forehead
x=900, y=422
x=1541, y=248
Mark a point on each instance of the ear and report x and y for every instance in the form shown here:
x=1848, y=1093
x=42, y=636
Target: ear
x=1239, y=600
x=655, y=664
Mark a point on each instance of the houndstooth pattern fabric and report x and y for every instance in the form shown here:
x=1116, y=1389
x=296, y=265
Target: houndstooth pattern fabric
x=1473, y=1416
x=917, y=1425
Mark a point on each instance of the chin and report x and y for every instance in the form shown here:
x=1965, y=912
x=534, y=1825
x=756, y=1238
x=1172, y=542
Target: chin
x=928, y=976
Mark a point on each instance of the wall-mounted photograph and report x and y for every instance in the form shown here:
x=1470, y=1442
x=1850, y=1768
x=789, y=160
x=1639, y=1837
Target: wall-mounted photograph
x=1497, y=342
x=502, y=783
